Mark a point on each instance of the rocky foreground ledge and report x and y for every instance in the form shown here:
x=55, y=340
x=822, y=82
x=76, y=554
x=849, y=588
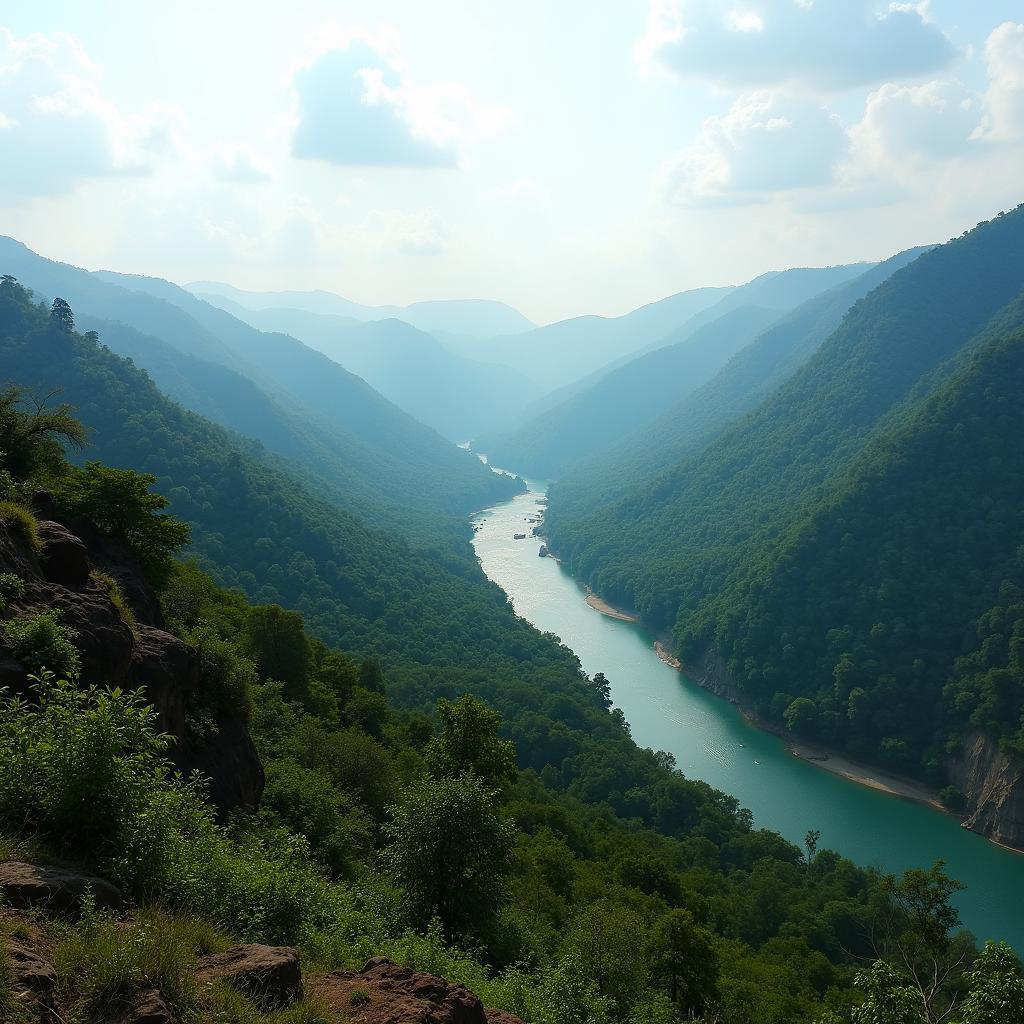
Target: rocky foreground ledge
x=271, y=978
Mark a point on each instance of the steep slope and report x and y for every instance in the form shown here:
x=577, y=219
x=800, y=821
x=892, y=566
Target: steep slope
x=626, y=398
x=696, y=419
x=439, y=629
x=456, y=396
x=863, y=606
x=481, y=318
x=674, y=544
x=564, y=351
x=377, y=452
x=629, y=392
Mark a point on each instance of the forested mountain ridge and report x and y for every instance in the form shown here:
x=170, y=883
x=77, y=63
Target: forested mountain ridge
x=340, y=429
x=633, y=389
x=457, y=396
x=559, y=353
x=696, y=419
x=481, y=318
x=706, y=548
x=624, y=398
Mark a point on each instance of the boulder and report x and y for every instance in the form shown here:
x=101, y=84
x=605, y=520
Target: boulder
x=34, y=978
x=384, y=992
x=54, y=891
x=269, y=975
x=146, y=1007
x=64, y=557
x=168, y=669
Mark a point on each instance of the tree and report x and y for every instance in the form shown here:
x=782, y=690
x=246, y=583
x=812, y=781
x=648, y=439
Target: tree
x=62, y=315
x=608, y=940
x=32, y=435
x=279, y=647
x=683, y=961
x=451, y=854
x=811, y=844
x=995, y=987
x=469, y=742
x=119, y=503
x=917, y=937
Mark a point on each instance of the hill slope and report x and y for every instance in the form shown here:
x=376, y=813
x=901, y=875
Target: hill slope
x=455, y=395
x=387, y=464
x=481, y=318
x=624, y=398
x=706, y=544
x=697, y=418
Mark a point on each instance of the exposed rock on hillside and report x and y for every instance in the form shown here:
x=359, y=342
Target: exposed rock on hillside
x=54, y=891
x=66, y=576
x=385, y=993
x=270, y=975
x=992, y=783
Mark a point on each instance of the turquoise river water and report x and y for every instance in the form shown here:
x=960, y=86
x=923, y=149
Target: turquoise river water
x=710, y=739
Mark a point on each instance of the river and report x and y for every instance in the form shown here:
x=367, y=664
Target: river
x=710, y=740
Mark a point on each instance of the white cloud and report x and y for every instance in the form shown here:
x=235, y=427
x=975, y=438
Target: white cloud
x=765, y=144
x=238, y=166
x=781, y=43
x=915, y=122
x=355, y=107
x=1003, y=102
x=59, y=128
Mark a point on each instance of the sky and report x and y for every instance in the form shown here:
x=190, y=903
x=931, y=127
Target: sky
x=562, y=156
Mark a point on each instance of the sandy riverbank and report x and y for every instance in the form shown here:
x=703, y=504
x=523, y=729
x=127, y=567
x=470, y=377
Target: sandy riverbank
x=830, y=760
x=605, y=608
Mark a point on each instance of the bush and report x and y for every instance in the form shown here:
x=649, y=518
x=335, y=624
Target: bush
x=113, y=589
x=12, y=588
x=42, y=645
x=22, y=523
x=119, y=503
x=225, y=676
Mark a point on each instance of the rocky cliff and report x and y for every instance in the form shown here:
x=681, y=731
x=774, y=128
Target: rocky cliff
x=992, y=783
x=69, y=575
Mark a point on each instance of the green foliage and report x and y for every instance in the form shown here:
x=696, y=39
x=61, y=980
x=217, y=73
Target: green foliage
x=995, y=986
x=120, y=504
x=469, y=742
x=31, y=435
x=83, y=770
x=841, y=543
x=103, y=961
x=12, y=588
x=117, y=598
x=41, y=643
x=450, y=852
x=886, y=999
x=683, y=961
x=22, y=523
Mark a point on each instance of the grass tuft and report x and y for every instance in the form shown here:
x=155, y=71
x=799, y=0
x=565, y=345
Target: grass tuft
x=22, y=523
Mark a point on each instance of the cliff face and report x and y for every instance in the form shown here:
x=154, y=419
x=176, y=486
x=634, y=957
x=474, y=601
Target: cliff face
x=61, y=578
x=992, y=782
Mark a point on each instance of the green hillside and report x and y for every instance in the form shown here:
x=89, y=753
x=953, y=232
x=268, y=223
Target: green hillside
x=700, y=549
x=378, y=459
x=696, y=419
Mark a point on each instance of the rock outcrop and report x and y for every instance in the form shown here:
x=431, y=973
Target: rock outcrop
x=270, y=976
x=992, y=783
x=33, y=979
x=66, y=576
x=383, y=992
x=54, y=891
x=146, y=1007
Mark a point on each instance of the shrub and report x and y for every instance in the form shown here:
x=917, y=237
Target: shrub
x=114, y=592
x=225, y=676
x=120, y=504
x=12, y=588
x=21, y=522
x=42, y=644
